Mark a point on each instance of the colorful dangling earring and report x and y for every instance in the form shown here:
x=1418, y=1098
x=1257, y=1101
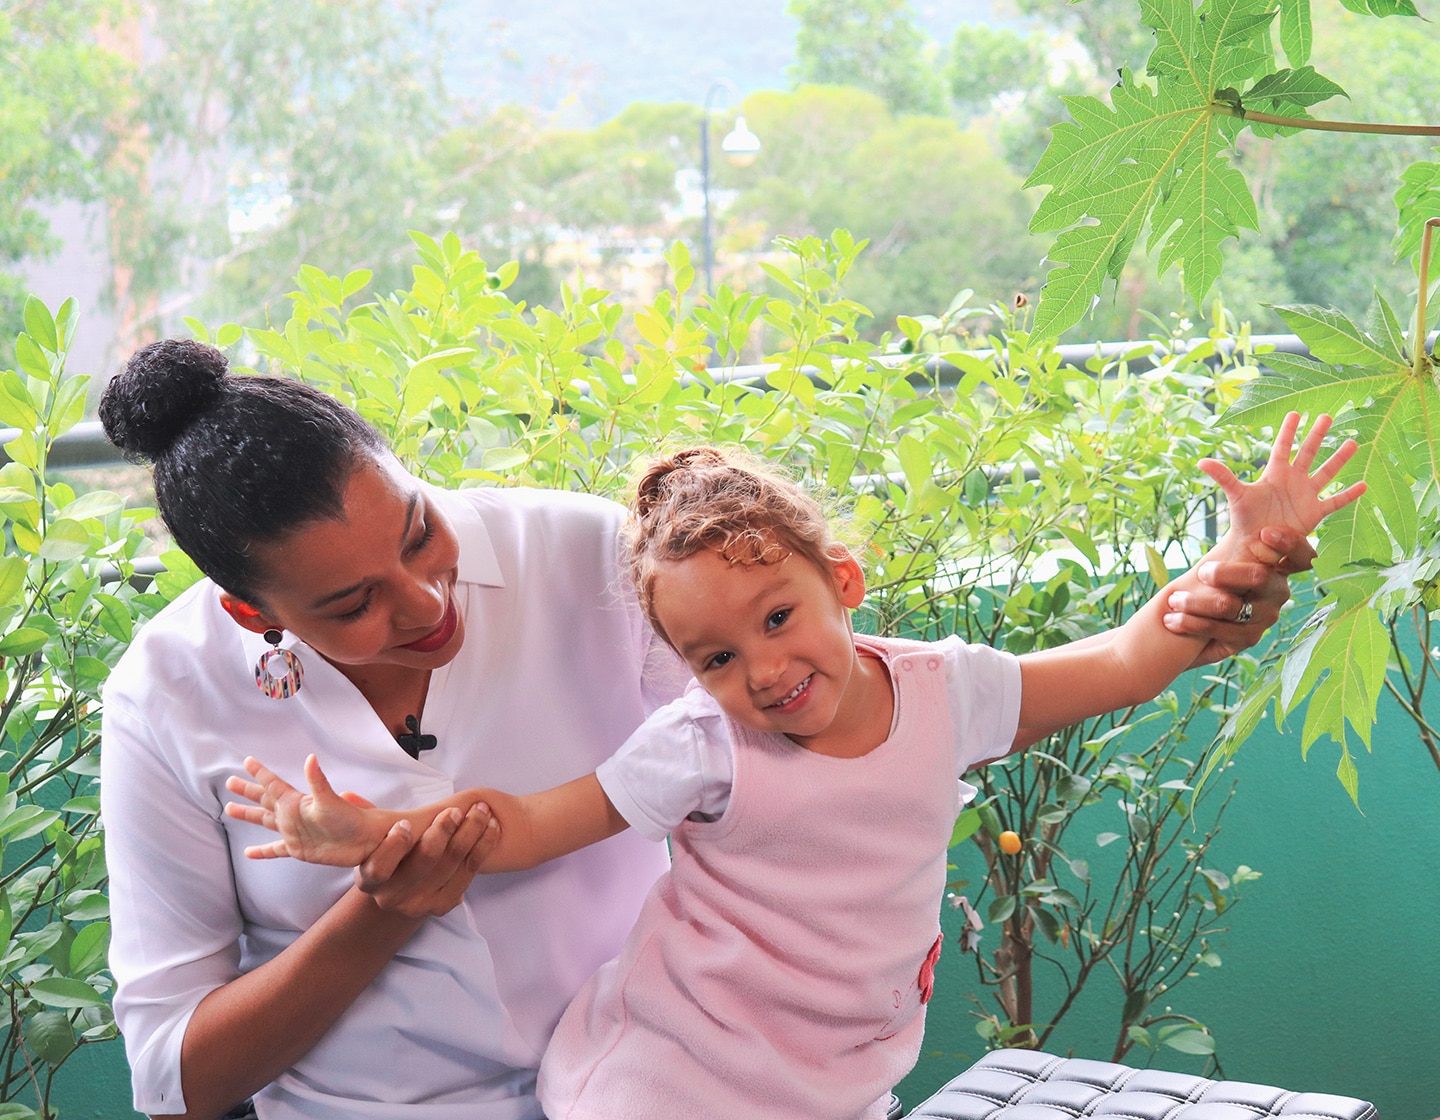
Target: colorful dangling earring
x=287, y=684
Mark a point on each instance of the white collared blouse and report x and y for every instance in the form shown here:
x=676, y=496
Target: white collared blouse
x=558, y=667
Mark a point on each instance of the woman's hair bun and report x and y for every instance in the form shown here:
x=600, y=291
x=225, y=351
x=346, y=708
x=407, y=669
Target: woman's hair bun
x=160, y=392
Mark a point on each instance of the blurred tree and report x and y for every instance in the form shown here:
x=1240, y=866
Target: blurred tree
x=1327, y=210
x=872, y=45
x=285, y=134
x=940, y=208
x=519, y=190
x=988, y=62
x=58, y=91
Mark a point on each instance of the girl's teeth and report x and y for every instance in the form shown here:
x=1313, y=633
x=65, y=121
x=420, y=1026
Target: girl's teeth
x=794, y=692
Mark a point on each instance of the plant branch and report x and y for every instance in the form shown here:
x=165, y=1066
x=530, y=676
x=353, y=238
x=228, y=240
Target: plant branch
x=1252, y=116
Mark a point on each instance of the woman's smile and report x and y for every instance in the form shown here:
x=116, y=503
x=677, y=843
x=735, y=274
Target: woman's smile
x=437, y=638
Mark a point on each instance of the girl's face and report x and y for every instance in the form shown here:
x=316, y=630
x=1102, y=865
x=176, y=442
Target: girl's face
x=374, y=586
x=770, y=642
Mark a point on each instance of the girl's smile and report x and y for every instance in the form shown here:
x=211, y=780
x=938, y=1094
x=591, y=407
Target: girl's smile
x=772, y=644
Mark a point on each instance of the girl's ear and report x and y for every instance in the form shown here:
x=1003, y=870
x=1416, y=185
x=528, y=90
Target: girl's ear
x=244, y=614
x=849, y=579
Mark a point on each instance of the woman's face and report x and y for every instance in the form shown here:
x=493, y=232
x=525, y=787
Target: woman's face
x=374, y=586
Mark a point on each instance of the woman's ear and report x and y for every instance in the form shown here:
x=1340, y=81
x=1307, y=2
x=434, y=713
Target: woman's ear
x=849, y=579
x=244, y=614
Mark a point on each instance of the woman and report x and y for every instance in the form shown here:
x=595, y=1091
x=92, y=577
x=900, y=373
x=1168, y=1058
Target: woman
x=443, y=640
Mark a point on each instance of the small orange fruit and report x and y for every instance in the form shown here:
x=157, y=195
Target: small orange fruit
x=1009, y=843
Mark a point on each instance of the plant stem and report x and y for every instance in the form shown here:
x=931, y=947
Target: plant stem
x=1252, y=116
x=1417, y=344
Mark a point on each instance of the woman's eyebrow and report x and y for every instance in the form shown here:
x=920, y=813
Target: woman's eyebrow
x=326, y=600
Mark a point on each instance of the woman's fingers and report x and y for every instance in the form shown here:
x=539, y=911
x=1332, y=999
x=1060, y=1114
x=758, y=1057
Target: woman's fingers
x=380, y=866
x=430, y=876
x=1299, y=553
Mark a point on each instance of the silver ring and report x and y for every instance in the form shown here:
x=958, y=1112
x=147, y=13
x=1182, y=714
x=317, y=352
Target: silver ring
x=1246, y=611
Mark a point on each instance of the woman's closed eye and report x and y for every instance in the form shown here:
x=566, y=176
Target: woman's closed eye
x=358, y=612
x=425, y=536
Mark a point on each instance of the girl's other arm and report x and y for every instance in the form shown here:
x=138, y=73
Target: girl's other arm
x=1138, y=660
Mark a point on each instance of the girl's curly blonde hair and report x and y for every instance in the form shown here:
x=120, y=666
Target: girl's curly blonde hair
x=728, y=502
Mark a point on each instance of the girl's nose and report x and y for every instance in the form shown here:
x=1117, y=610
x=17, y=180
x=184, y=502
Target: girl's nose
x=765, y=672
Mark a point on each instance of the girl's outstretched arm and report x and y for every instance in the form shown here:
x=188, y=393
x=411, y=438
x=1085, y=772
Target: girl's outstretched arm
x=1139, y=659
x=342, y=830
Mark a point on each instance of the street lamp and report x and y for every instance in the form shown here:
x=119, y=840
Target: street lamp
x=740, y=146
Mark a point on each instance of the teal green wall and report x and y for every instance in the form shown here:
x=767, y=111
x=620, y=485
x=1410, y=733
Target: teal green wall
x=1331, y=974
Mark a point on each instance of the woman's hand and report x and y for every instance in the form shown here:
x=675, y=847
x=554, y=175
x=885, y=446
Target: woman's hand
x=428, y=876
x=1212, y=611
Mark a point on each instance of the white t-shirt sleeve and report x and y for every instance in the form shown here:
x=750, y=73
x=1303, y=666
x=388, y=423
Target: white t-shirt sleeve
x=983, y=686
x=679, y=763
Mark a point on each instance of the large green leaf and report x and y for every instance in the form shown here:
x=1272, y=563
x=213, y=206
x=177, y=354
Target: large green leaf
x=1157, y=155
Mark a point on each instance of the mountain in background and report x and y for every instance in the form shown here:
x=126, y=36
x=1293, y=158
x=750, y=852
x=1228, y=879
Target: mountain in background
x=586, y=60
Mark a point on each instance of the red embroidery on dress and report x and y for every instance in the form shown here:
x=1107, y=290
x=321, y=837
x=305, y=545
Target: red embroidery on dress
x=927, y=970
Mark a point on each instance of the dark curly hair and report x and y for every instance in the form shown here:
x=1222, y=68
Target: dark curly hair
x=237, y=460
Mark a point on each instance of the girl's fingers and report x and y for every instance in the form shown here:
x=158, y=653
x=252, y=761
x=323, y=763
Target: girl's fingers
x=1343, y=499
x=1224, y=478
x=1284, y=441
x=251, y=791
x=259, y=771
x=1333, y=465
x=319, y=784
x=250, y=814
x=1310, y=445
x=275, y=850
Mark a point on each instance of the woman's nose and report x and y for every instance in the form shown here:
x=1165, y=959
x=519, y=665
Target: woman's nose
x=423, y=604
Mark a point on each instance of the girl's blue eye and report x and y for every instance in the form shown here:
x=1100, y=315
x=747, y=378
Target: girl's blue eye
x=719, y=659
x=777, y=619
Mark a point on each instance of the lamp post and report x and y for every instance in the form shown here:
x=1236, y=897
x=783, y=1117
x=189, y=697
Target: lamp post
x=740, y=146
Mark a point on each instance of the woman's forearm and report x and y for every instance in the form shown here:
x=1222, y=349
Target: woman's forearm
x=245, y=1034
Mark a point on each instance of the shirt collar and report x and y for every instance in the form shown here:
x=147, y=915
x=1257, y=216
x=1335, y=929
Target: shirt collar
x=478, y=563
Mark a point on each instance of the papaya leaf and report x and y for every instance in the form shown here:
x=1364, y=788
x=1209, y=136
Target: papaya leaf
x=1297, y=31
x=1418, y=200
x=1381, y=7
x=1333, y=338
x=1157, y=156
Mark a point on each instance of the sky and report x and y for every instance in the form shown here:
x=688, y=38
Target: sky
x=589, y=58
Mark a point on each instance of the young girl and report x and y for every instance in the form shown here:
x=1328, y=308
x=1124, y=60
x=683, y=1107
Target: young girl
x=808, y=787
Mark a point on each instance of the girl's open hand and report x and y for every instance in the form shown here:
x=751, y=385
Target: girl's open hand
x=321, y=826
x=1287, y=493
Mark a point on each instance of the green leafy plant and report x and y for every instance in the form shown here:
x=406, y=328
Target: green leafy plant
x=67, y=609
x=1070, y=519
